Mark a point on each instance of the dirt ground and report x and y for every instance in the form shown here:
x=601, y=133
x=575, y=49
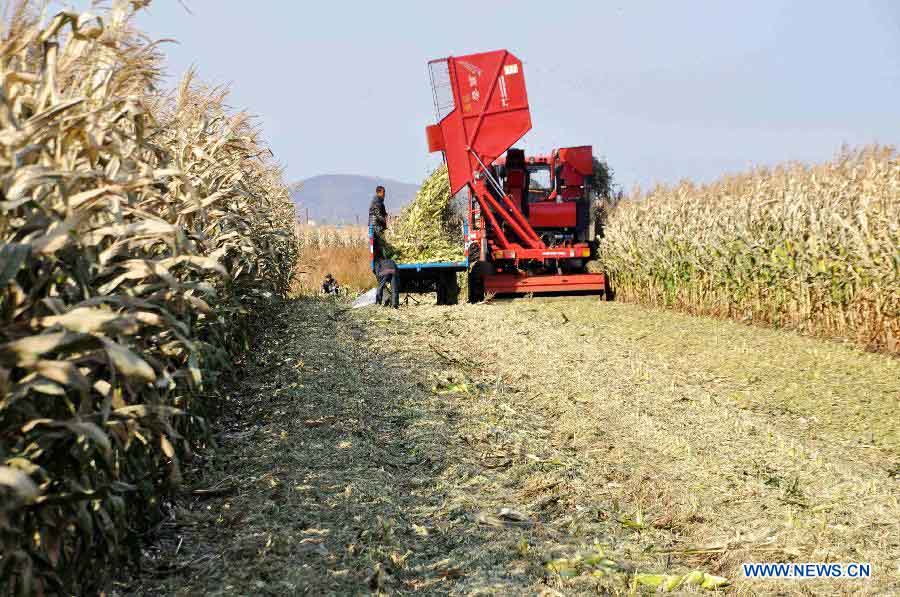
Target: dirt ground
x=543, y=446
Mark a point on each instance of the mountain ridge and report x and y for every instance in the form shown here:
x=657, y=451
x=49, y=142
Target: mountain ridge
x=345, y=198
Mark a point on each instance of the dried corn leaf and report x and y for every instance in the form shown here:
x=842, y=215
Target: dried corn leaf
x=425, y=230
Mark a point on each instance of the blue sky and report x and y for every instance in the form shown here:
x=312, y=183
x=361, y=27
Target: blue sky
x=663, y=90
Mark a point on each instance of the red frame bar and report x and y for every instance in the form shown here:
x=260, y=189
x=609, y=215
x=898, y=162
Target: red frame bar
x=521, y=284
x=575, y=252
x=495, y=227
x=532, y=238
x=486, y=201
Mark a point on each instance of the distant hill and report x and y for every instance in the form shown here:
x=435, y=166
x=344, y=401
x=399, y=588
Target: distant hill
x=342, y=198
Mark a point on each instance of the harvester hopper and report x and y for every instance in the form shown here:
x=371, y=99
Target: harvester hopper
x=531, y=219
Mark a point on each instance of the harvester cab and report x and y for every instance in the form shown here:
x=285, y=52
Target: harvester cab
x=531, y=218
x=554, y=192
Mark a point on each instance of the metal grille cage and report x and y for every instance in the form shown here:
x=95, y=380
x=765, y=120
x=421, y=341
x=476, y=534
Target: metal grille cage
x=442, y=91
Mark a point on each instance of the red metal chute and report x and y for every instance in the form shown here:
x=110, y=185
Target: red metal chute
x=485, y=110
x=524, y=237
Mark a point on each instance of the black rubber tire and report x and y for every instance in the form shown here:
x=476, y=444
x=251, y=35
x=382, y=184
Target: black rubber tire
x=451, y=289
x=447, y=289
x=441, y=290
x=475, y=284
x=608, y=293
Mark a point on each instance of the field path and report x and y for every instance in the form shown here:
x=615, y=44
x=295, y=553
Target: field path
x=537, y=446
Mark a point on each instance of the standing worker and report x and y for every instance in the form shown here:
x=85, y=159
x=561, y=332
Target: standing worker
x=385, y=269
x=387, y=273
x=378, y=222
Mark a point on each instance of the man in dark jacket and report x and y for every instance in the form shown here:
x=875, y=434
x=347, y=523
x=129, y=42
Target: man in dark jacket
x=378, y=222
x=387, y=273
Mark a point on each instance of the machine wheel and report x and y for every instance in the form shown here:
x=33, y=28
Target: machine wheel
x=608, y=293
x=476, y=282
x=447, y=289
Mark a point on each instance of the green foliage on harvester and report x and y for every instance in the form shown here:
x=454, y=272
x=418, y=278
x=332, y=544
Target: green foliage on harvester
x=814, y=248
x=426, y=230
x=138, y=233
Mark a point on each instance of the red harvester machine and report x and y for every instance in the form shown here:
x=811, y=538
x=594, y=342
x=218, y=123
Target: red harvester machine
x=531, y=218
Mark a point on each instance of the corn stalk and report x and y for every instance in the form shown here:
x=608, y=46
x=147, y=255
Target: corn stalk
x=812, y=248
x=138, y=233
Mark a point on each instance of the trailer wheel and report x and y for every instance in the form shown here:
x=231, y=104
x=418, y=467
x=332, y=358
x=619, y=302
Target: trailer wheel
x=476, y=282
x=443, y=291
x=447, y=289
x=452, y=289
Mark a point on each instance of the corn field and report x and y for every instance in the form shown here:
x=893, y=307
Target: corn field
x=139, y=230
x=812, y=248
x=323, y=237
x=341, y=251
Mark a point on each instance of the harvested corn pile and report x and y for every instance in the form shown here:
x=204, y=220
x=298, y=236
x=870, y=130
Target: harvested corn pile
x=138, y=232
x=424, y=231
x=813, y=248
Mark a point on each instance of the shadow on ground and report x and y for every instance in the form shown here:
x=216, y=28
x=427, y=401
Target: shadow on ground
x=327, y=476
x=536, y=447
